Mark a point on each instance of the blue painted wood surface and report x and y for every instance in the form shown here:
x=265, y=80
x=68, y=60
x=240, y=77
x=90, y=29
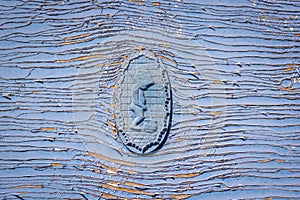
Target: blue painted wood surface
x=235, y=127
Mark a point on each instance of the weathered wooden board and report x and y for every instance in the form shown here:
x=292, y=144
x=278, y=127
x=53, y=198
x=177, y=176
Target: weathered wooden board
x=235, y=128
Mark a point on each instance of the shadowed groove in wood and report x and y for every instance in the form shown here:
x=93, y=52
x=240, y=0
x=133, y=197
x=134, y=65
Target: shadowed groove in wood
x=255, y=153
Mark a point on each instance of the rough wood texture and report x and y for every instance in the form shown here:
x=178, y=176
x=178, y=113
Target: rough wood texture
x=235, y=130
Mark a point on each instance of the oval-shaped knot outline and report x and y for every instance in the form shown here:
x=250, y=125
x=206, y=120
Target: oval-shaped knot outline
x=143, y=103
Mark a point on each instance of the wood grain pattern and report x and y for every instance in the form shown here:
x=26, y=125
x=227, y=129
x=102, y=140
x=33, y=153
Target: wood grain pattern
x=235, y=129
